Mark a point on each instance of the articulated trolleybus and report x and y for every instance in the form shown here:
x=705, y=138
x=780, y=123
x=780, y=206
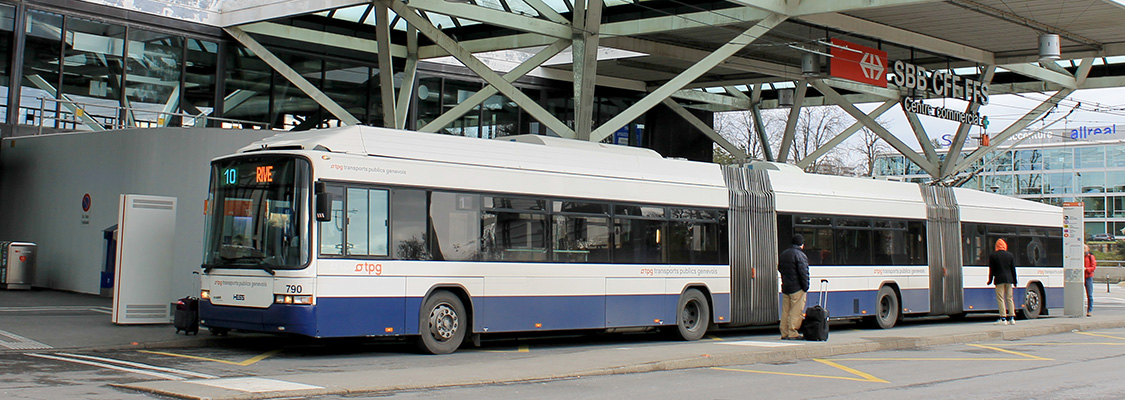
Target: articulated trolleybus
x=373, y=232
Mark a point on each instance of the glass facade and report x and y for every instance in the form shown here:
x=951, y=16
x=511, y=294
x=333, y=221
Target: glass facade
x=1073, y=171
x=86, y=72
x=7, y=26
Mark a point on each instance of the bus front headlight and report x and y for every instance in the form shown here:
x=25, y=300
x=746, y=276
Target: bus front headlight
x=292, y=299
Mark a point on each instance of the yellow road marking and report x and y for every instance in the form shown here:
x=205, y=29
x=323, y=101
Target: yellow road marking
x=1037, y=358
x=713, y=337
x=866, y=376
x=863, y=376
x=1100, y=335
x=522, y=349
x=248, y=361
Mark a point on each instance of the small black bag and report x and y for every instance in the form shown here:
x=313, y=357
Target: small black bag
x=186, y=316
x=815, y=325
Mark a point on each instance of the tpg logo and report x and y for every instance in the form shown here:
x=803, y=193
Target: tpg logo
x=240, y=297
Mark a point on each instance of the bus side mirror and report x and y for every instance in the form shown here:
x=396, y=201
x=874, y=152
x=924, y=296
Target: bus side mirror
x=323, y=203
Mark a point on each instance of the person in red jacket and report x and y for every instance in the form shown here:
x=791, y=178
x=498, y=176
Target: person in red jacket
x=1091, y=264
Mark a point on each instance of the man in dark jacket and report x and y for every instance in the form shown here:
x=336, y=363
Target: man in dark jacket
x=794, y=268
x=1002, y=270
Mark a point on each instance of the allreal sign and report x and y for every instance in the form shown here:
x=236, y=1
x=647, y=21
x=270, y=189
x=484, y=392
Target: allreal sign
x=941, y=84
x=858, y=63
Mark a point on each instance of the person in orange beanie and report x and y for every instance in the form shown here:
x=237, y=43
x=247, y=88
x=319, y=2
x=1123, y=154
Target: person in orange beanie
x=1002, y=271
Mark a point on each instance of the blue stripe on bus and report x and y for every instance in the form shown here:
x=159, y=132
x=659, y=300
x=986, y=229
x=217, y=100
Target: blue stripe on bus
x=361, y=316
x=862, y=303
x=382, y=316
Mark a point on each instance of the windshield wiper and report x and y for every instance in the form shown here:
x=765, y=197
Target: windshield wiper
x=253, y=261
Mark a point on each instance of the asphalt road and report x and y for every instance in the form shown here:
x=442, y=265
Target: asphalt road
x=1077, y=365
x=933, y=358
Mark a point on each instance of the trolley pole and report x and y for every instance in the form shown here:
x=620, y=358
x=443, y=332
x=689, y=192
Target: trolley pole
x=1073, y=255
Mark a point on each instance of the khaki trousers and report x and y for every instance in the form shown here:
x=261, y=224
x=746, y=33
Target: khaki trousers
x=1004, y=300
x=792, y=313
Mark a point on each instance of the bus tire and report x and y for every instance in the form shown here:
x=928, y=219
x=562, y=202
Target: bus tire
x=693, y=316
x=442, y=323
x=887, y=309
x=1032, y=302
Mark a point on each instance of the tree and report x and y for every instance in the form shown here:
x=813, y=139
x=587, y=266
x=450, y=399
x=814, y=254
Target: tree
x=816, y=126
x=869, y=146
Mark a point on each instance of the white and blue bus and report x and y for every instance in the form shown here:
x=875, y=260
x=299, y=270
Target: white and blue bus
x=365, y=232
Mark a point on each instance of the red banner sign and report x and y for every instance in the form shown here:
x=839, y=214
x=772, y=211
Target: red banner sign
x=858, y=63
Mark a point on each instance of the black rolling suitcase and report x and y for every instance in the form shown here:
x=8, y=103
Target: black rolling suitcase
x=186, y=315
x=815, y=325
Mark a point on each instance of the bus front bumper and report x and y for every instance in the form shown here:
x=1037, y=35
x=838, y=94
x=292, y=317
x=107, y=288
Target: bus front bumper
x=277, y=318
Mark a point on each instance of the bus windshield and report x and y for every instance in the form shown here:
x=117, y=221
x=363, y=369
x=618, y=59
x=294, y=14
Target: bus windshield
x=256, y=213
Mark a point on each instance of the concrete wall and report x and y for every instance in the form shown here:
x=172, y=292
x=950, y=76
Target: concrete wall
x=44, y=178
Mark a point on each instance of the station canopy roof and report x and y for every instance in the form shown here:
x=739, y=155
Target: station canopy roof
x=645, y=43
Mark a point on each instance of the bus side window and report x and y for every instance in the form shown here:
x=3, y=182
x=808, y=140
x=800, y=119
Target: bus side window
x=367, y=222
x=408, y=224
x=332, y=232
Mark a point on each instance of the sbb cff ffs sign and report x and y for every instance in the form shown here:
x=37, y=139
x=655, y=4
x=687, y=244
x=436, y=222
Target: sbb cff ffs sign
x=858, y=63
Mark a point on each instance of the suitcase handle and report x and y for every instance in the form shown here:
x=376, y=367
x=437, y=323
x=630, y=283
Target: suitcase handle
x=823, y=292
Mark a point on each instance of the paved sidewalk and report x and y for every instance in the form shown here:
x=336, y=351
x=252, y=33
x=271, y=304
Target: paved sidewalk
x=64, y=321
x=43, y=319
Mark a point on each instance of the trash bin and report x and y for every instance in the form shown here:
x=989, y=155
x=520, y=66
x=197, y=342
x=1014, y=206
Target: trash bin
x=17, y=265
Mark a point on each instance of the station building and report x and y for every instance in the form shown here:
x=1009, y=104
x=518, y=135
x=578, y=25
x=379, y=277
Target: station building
x=1077, y=164
x=70, y=66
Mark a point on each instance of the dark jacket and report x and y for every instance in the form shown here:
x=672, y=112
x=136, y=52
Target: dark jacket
x=1002, y=267
x=794, y=268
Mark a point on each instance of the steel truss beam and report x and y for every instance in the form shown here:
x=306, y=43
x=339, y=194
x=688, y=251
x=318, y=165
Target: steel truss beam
x=457, y=111
x=406, y=91
x=963, y=130
x=685, y=77
x=292, y=76
x=887, y=136
x=386, y=66
x=1023, y=122
x=801, y=87
x=843, y=135
x=759, y=125
x=465, y=57
x=923, y=138
x=587, y=21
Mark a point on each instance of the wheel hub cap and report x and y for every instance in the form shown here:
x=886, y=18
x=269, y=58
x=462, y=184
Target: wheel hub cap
x=443, y=322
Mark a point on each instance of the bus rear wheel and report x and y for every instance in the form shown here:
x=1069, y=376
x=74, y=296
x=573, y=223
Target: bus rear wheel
x=693, y=316
x=442, y=323
x=887, y=310
x=1032, y=302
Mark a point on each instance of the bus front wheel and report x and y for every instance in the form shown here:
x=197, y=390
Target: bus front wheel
x=693, y=315
x=442, y=323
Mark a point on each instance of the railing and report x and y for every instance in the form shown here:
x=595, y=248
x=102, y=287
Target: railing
x=71, y=115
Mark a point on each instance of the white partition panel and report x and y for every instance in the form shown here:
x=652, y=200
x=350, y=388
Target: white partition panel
x=146, y=238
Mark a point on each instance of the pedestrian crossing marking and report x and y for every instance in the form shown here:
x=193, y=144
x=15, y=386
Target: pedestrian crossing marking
x=19, y=342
